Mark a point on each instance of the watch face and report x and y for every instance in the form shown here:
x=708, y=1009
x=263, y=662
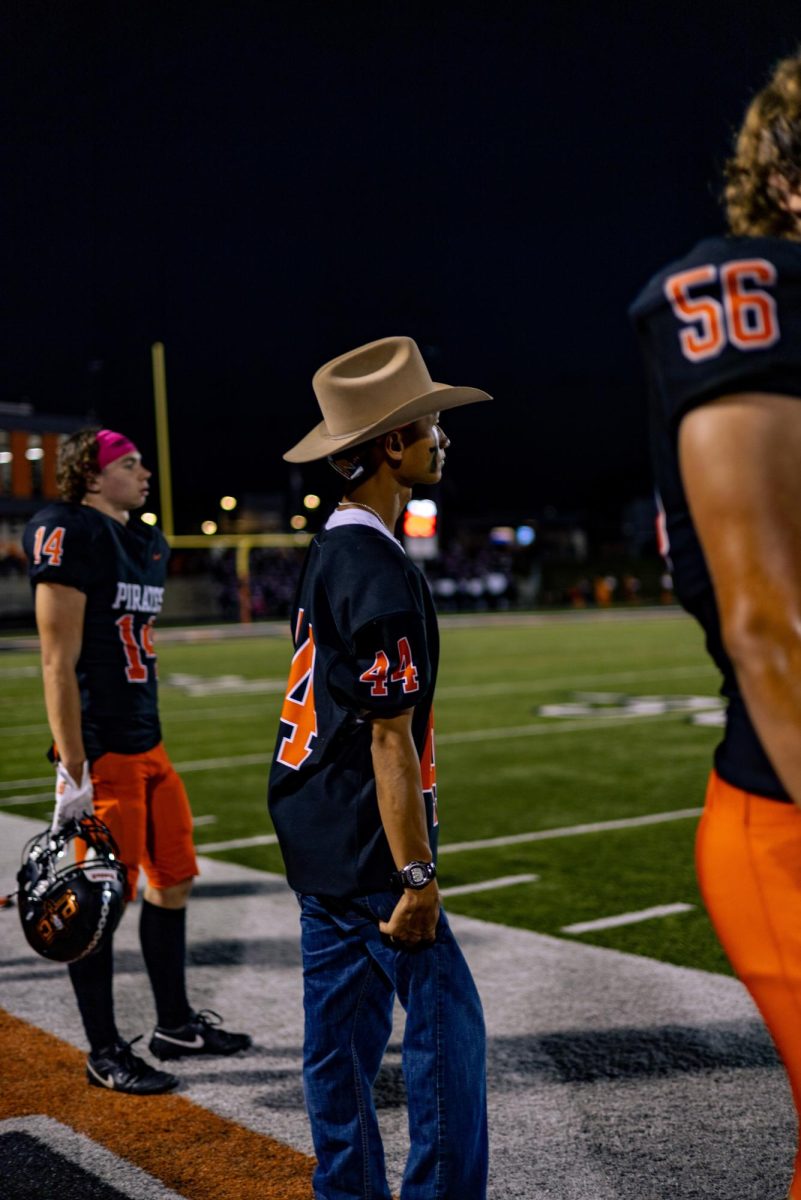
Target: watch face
x=417, y=875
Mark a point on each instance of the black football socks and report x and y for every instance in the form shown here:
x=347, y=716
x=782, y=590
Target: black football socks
x=92, y=982
x=162, y=933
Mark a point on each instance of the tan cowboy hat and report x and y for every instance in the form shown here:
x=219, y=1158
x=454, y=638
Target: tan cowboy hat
x=371, y=390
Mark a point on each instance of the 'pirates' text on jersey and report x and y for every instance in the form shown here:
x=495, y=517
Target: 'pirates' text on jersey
x=725, y=319
x=121, y=569
x=366, y=645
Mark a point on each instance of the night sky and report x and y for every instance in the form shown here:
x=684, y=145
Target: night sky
x=262, y=186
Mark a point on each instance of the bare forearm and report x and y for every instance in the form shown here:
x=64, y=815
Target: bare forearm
x=400, y=802
x=63, y=705
x=59, y=619
x=400, y=797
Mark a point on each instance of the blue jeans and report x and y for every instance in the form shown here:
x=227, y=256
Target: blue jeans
x=351, y=974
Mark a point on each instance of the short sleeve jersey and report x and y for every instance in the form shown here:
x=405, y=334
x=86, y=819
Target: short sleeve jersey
x=366, y=645
x=724, y=319
x=122, y=570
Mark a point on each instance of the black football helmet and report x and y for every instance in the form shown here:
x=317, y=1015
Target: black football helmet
x=71, y=890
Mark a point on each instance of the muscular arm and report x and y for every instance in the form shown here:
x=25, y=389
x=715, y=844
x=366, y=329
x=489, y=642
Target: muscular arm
x=400, y=802
x=59, y=618
x=741, y=464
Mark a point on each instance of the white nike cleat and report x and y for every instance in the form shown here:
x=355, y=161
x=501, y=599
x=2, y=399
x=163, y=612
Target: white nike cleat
x=201, y=1034
x=120, y=1070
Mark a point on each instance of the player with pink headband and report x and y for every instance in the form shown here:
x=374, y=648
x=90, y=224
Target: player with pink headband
x=99, y=583
x=111, y=446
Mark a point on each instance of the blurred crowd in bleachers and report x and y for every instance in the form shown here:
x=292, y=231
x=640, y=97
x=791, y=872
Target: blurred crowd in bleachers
x=465, y=577
x=12, y=559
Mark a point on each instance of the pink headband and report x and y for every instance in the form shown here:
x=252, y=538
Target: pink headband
x=111, y=446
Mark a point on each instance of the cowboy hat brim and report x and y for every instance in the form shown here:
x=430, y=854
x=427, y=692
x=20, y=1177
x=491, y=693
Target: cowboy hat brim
x=319, y=443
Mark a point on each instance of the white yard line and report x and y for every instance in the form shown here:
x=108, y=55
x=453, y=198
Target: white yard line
x=31, y=798
x=444, y=739
x=488, y=885
x=629, y=918
x=542, y=835
x=22, y=730
x=514, y=839
x=261, y=839
x=523, y=687
x=10, y=784
x=219, y=764
x=549, y=726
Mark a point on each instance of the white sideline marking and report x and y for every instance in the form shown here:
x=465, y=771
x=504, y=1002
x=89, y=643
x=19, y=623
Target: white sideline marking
x=208, y=820
x=199, y=764
x=217, y=764
x=542, y=835
x=18, y=801
x=512, y=839
x=488, y=885
x=637, y=706
x=95, y=1161
x=443, y=739
x=10, y=784
x=261, y=839
x=523, y=687
x=225, y=685
x=548, y=727
x=23, y=730
x=629, y=918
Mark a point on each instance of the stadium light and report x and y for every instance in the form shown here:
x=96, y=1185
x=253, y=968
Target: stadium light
x=420, y=530
x=228, y=503
x=298, y=521
x=148, y=518
x=420, y=519
x=311, y=501
x=208, y=527
x=5, y=456
x=34, y=453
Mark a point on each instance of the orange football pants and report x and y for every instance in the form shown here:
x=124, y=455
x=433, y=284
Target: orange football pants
x=748, y=858
x=142, y=799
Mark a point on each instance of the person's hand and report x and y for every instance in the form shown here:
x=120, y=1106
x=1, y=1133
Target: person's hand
x=414, y=919
x=73, y=800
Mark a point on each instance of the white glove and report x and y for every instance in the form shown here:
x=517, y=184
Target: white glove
x=72, y=799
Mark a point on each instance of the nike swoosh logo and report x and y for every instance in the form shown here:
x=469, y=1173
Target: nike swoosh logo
x=195, y=1044
x=107, y=1081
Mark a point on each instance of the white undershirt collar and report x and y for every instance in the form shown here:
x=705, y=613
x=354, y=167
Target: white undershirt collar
x=358, y=516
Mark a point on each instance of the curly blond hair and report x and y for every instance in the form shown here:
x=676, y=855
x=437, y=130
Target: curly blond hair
x=77, y=461
x=767, y=158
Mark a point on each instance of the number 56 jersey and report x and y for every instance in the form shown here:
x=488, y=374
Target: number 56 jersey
x=121, y=569
x=725, y=319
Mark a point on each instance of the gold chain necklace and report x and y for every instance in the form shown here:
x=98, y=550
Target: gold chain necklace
x=366, y=507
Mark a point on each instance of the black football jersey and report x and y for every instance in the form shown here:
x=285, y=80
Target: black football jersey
x=122, y=570
x=725, y=319
x=366, y=645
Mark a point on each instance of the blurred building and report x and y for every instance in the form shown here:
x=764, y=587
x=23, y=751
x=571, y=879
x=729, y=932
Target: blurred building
x=28, y=447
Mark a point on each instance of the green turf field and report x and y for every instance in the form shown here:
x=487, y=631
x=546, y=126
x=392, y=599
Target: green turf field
x=503, y=769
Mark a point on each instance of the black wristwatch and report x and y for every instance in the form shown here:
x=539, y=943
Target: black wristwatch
x=415, y=874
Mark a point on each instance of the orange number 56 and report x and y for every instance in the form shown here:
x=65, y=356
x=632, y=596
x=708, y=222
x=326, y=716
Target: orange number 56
x=745, y=317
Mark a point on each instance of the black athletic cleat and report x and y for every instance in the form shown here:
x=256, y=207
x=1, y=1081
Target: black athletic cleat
x=200, y=1035
x=118, y=1069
